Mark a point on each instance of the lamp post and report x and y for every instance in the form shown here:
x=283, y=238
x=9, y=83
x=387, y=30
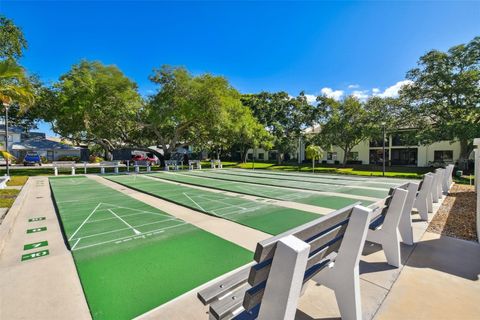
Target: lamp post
x=383, y=169
x=6, y=105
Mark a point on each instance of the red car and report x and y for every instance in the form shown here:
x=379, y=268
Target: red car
x=149, y=158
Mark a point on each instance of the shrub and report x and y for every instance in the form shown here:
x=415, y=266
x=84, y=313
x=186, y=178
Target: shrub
x=95, y=159
x=69, y=158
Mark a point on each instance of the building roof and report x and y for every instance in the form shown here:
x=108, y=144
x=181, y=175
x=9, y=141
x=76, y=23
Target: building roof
x=41, y=144
x=11, y=129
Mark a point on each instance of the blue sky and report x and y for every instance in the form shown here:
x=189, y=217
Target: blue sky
x=341, y=47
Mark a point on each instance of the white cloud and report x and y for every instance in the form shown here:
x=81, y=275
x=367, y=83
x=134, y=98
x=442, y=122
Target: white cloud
x=375, y=91
x=311, y=99
x=361, y=95
x=334, y=94
x=354, y=86
x=392, y=91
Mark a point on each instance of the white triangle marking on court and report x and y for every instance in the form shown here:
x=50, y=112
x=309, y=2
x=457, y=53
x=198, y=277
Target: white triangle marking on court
x=134, y=230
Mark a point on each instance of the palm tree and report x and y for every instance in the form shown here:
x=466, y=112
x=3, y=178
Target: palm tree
x=315, y=153
x=14, y=85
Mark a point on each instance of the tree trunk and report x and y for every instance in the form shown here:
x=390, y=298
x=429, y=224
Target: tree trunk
x=346, y=151
x=466, y=148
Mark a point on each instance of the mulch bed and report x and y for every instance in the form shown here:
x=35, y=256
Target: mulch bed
x=457, y=216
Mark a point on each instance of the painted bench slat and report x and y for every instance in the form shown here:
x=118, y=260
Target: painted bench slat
x=220, y=288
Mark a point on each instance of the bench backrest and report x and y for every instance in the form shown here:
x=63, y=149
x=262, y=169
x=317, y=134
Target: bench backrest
x=324, y=236
x=142, y=163
x=109, y=164
x=63, y=164
x=171, y=162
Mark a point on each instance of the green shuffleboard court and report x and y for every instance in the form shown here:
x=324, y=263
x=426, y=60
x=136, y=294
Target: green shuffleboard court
x=354, y=188
x=310, y=198
x=257, y=215
x=132, y=257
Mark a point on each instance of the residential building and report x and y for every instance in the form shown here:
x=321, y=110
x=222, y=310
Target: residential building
x=20, y=142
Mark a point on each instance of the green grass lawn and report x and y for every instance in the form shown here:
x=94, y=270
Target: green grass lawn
x=7, y=197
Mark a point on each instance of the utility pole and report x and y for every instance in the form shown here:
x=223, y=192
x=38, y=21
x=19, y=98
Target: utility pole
x=383, y=170
x=6, y=105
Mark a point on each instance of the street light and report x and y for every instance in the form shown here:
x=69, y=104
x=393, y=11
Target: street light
x=6, y=105
x=383, y=169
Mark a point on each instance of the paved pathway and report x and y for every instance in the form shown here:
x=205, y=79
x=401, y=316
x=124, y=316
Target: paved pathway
x=439, y=280
x=43, y=287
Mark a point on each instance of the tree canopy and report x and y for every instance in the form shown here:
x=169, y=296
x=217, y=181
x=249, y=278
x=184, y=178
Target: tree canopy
x=94, y=103
x=343, y=123
x=12, y=40
x=443, y=100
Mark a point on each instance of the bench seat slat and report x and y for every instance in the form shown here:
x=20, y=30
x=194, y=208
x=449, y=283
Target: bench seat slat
x=265, y=249
x=325, y=242
x=229, y=306
x=220, y=288
x=254, y=295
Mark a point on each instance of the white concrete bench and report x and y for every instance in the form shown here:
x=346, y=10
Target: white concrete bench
x=326, y=250
x=384, y=228
x=3, y=181
x=216, y=164
x=142, y=164
x=197, y=164
x=110, y=164
x=424, y=201
x=64, y=165
x=447, y=179
x=171, y=164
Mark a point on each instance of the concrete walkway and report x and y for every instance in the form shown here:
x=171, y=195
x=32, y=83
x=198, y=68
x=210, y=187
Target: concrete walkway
x=43, y=287
x=439, y=279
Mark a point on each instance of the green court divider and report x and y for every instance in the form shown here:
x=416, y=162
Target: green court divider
x=257, y=215
x=132, y=257
x=325, y=201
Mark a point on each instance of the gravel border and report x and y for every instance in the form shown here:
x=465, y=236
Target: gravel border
x=457, y=216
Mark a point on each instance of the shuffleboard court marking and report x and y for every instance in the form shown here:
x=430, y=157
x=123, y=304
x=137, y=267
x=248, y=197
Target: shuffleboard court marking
x=125, y=222
x=123, y=229
x=84, y=221
x=75, y=244
x=140, y=236
x=186, y=195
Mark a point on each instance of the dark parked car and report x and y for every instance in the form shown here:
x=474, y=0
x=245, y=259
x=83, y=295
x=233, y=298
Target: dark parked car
x=32, y=158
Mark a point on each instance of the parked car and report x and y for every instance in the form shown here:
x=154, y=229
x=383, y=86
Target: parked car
x=32, y=158
x=145, y=157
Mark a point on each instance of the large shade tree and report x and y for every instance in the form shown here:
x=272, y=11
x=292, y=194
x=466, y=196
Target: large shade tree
x=95, y=103
x=344, y=123
x=203, y=110
x=443, y=100
x=283, y=116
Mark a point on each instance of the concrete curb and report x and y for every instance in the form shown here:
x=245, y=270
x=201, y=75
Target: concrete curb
x=12, y=213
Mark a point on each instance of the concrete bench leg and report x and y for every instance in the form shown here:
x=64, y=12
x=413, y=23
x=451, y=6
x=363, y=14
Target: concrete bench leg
x=343, y=277
x=405, y=226
x=73, y=171
x=285, y=280
x=149, y=169
x=115, y=170
x=102, y=170
x=55, y=170
x=190, y=167
x=388, y=235
x=166, y=168
x=137, y=169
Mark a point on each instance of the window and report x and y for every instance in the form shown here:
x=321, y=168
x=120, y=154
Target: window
x=331, y=156
x=261, y=156
x=376, y=156
x=378, y=142
x=250, y=156
x=443, y=155
x=352, y=156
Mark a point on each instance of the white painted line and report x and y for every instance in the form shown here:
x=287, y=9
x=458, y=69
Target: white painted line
x=104, y=242
x=122, y=229
x=76, y=242
x=134, y=230
x=84, y=221
x=186, y=195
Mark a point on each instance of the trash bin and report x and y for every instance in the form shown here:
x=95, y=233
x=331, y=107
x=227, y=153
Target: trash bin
x=459, y=173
